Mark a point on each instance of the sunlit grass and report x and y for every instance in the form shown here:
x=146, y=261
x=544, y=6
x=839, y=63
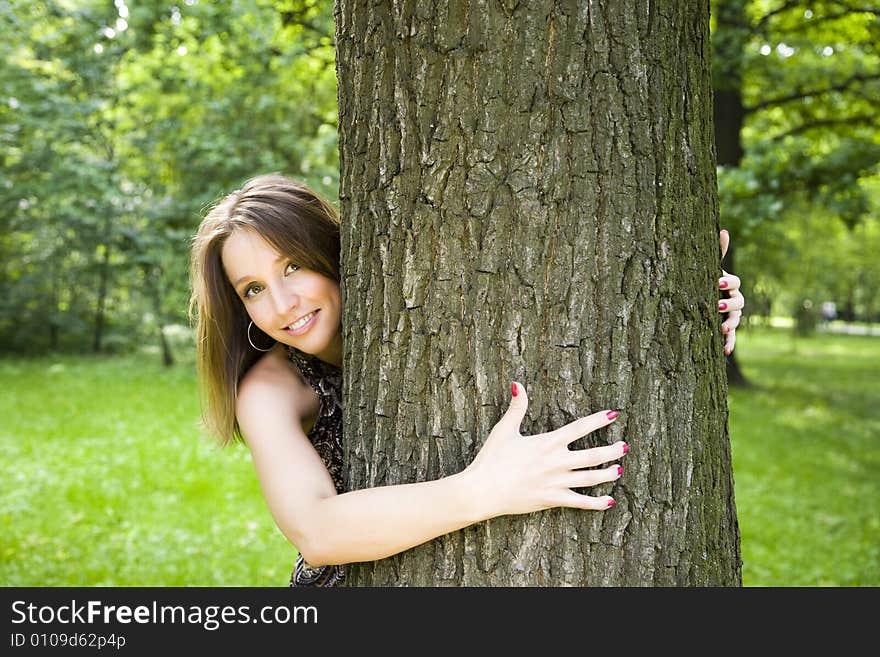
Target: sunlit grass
x=106, y=480
x=806, y=452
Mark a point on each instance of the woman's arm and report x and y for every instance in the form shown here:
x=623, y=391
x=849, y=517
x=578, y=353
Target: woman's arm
x=511, y=474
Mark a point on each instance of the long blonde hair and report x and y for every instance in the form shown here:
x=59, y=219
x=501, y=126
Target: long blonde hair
x=297, y=223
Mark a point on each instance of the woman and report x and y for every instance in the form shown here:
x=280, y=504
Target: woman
x=265, y=269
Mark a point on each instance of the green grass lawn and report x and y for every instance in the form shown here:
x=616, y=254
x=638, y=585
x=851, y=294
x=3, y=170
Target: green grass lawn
x=806, y=455
x=107, y=481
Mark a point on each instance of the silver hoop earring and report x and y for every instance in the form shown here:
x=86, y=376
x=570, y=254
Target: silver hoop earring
x=252, y=342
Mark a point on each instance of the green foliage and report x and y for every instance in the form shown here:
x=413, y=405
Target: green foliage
x=813, y=255
x=805, y=80
x=120, y=125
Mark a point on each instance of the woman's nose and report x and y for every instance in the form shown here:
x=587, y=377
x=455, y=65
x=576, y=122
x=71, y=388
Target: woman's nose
x=284, y=300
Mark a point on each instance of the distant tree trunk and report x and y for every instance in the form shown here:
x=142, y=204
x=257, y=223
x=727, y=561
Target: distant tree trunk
x=156, y=274
x=53, y=320
x=103, y=283
x=849, y=307
x=727, y=104
x=528, y=192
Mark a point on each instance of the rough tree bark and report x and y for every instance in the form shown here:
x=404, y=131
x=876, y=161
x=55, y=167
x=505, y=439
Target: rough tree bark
x=528, y=192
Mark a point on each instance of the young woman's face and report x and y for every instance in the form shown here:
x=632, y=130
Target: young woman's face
x=298, y=307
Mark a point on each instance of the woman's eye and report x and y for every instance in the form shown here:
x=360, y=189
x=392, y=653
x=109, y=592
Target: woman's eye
x=251, y=291
x=290, y=268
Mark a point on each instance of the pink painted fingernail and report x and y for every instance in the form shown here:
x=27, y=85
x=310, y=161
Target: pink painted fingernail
x=611, y=502
x=625, y=447
x=513, y=389
x=612, y=414
x=722, y=305
x=722, y=283
x=619, y=470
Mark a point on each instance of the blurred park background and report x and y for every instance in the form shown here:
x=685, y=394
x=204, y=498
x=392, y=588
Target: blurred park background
x=120, y=121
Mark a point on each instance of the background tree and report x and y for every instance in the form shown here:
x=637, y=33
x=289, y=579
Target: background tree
x=528, y=192
x=796, y=92
x=120, y=126
x=59, y=180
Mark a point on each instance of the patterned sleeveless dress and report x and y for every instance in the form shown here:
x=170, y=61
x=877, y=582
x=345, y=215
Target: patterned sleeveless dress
x=326, y=436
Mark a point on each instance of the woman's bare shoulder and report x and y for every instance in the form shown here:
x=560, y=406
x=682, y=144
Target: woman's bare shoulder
x=273, y=382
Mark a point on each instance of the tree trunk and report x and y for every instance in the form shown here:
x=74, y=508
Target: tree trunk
x=56, y=313
x=103, y=284
x=528, y=192
x=730, y=37
x=155, y=273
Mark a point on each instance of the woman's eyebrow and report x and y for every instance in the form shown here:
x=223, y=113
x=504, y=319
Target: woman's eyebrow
x=247, y=276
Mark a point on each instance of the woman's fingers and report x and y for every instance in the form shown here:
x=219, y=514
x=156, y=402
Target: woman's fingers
x=729, y=325
x=733, y=306
x=581, y=427
x=735, y=302
x=551, y=462
x=516, y=412
x=729, y=342
x=587, y=458
x=574, y=500
x=728, y=282
x=588, y=478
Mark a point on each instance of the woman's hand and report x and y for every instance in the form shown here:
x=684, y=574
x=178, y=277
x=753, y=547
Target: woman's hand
x=514, y=474
x=732, y=305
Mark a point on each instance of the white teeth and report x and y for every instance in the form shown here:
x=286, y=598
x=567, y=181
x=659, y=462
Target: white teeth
x=302, y=321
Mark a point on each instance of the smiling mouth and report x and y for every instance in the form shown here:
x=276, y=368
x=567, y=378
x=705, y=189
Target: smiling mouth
x=302, y=321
